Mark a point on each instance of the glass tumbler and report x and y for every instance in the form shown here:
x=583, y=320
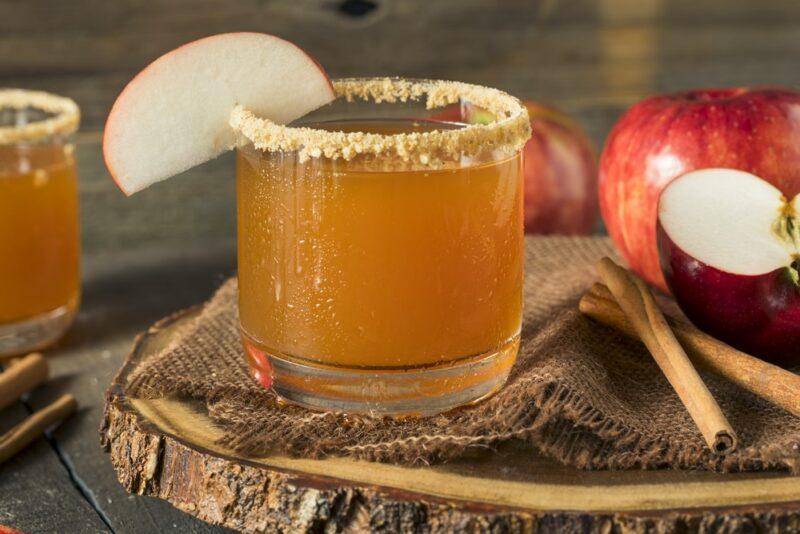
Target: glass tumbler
x=39, y=229
x=381, y=247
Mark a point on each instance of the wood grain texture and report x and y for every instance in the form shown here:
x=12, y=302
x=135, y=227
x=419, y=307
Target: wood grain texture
x=36, y=475
x=168, y=448
x=142, y=259
x=124, y=291
x=594, y=58
x=196, y=209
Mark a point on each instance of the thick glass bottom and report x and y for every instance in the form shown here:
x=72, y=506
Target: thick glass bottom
x=35, y=333
x=411, y=391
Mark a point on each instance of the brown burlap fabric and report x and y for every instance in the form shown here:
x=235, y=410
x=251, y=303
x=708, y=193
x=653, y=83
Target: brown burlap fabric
x=579, y=392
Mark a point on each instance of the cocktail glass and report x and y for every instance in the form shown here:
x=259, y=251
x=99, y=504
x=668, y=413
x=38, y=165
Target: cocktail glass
x=381, y=248
x=39, y=230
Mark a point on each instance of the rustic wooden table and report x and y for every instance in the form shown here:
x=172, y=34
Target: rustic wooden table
x=169, y=246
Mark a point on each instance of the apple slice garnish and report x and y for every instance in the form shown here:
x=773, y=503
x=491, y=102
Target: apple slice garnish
x=729, y=244
x=174, y=114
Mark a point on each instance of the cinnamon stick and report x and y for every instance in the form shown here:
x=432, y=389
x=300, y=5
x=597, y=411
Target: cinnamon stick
x=635, y=299
x=31, y=428
x=768, y=381
x=21, y=376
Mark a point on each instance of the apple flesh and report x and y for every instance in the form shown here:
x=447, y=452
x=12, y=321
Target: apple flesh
x=729, y=244
x=174, y=114
x=663, y=137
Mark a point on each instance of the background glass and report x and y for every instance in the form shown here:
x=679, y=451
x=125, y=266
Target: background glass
x=39, y=236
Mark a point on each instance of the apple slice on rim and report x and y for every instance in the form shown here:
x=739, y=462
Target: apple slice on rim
x=729, y=245
x=174, y=114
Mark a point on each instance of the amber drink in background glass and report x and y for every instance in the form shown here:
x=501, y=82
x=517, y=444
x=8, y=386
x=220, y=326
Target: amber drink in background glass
x=381, y=251
x=39, y=236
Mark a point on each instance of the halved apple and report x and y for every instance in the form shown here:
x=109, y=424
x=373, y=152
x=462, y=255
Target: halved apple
x=174, y=114
x=729, y=245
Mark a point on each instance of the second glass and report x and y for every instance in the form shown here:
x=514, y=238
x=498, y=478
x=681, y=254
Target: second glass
x=39, y=231
x=390, y=280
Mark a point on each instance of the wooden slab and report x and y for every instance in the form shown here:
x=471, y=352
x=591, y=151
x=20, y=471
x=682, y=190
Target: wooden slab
x=167, y=449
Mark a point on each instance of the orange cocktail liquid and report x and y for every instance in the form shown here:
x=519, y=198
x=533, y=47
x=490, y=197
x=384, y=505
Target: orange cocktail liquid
x=39, y=242
x=369, y=265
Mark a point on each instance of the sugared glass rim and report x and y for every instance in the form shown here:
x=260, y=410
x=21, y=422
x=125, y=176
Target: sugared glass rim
x=510, y=130
x=65, y=118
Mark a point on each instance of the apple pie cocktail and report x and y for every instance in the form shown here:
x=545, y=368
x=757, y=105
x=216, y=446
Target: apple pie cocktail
x=39, y=236
x=380, y=251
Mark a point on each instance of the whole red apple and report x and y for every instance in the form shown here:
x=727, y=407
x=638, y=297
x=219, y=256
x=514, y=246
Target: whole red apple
x=560, y=175
x=560, y=169
x=729, y=245
x=660, y=138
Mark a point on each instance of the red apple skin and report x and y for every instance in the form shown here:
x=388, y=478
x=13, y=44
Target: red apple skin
x=560, y=175
x=451, y=113
x=663, y=137
x=759, y=314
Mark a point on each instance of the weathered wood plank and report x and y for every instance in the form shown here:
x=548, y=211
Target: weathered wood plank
x=193, y=208
x=36, y=493
x=579, y=54
x=144, y=257
x=123, y=292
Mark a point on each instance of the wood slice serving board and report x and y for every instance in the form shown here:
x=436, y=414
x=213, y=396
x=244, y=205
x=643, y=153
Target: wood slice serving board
x=167, y=449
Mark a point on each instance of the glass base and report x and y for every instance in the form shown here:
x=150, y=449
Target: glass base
x=413, y=391
x=35, y=333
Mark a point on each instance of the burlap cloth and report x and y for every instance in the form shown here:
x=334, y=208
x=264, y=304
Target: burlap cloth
x=579, y=392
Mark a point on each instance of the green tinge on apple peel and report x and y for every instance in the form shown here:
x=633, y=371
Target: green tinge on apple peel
x=477, y=115
x=483, y=117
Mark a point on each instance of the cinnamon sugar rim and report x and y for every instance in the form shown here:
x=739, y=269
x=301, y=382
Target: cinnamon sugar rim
x=65, y=119
x=510, y=130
